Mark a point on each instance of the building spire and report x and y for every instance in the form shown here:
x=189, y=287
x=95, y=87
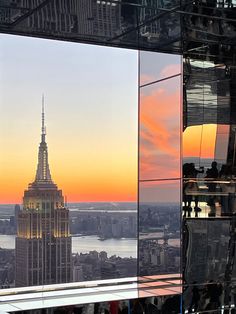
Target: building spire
x=43, y=120
x=43, y=172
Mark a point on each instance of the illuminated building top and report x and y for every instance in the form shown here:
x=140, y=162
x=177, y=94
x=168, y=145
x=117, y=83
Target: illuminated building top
x=43, y=176
x=42, y=193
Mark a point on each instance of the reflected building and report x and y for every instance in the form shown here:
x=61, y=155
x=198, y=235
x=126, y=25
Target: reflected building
x=87, y=17
x=159, y=28
x=43, y=242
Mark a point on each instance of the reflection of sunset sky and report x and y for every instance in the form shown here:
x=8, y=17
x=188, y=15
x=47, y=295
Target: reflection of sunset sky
x=199, y=141
x=91, y=118
x=155, y=66
x=160, y=130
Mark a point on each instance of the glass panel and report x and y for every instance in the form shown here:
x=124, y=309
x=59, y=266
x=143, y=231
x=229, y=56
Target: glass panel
x=208, y=264
x=208, y=141
x=206, y=250
x=161, y=32
x=160, y=112
x=155, y=66
x=151, y=5
x=159, y=227
x=222, y=142
x=208, y=298
x=102, y=22
x=91, y=232
x=199, y=144
x=207, y=93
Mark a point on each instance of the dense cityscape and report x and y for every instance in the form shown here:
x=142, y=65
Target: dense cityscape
x=48, y=235
x=158, y=251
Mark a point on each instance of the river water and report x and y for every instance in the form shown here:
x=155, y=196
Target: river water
x=83, y=244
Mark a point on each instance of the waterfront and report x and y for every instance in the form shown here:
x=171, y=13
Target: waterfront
x=85, y=244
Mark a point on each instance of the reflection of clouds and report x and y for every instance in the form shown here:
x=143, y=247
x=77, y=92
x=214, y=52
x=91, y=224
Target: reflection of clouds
x=146, y=78
x=160, y=130
x=158, y=164
x=168, y=70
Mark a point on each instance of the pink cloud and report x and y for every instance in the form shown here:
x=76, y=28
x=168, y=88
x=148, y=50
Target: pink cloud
x=146, y=78
x=160, y=133
x=171, y=69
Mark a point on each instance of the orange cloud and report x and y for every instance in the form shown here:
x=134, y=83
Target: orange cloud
x=171, y=69
x=146, y=78
x=160, y=131
x=167, y=71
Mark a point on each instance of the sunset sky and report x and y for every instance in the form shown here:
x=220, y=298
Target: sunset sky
x=161, y=130
x=91, y=118
x=91, y=100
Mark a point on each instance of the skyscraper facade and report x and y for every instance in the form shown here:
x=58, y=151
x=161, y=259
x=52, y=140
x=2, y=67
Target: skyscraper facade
x=43, y=242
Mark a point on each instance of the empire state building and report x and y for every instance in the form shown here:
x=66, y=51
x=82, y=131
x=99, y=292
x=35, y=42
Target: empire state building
x=43, y=242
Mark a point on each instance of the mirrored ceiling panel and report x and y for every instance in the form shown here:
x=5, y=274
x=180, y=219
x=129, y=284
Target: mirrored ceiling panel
x=129, y=23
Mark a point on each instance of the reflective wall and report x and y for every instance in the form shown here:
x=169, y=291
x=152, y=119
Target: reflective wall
x=208, y=140
x=159, y=164
x=209, y=183
x=131, y=24
x=209, y=186
x=208, y=264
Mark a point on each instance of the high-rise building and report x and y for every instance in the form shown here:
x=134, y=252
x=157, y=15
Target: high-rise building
x=43, y=242
x=86, y=16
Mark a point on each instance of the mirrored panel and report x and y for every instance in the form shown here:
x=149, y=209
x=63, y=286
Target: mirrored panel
x=208, y=265
x=161, y=32
x=159, y=227
x=160, y=133
x=206, y=252
x=207, y=298
x=208, y=140
x=155, y=66
x=136, y=24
